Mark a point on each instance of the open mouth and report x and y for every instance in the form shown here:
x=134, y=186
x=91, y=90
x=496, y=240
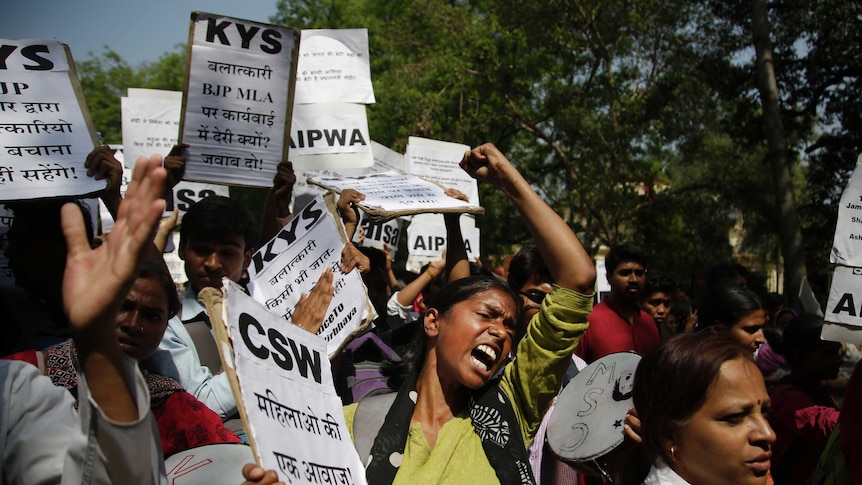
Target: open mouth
x=484, y=357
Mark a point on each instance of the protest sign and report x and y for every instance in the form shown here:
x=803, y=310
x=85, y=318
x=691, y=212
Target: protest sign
x=847, y=245
x=378, y=234
x=45, y=127
x=333, y=67
x=330, y=136
x=439, y=161
x=151, y=123
x=385, y=160
x=238, y=99
x=292, y=262
x=283, y=384
x=391, y=194
x=426, y=239
x=843, y=314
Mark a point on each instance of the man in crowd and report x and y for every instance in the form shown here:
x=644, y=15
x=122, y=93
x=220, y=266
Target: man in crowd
x=618, y=324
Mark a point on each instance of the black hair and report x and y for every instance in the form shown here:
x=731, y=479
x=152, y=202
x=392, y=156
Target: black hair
x=658, y=282
x=43, y=217
x=528, y=264
x=801, y=336
x=727, y=305
x=625, y=253
x=216, y=218
x=450, y=295
x=158, y=271
x=673, y=379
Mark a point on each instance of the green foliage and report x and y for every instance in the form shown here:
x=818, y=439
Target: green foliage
x=107, y=77
x=637, y=121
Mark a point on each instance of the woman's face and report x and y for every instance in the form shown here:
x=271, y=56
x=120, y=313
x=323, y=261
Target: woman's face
x=473, y=340
x=142, y=319
x=728, y=439
x=749, y=330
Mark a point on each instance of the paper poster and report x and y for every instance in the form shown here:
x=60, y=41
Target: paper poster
x=844, y=306
x=397, y=193
x=294, y=415
x=330, y=136
x=439, y=161
x=151, y=123
x=426, y=239
x=378, y=234
x=292, y=262
x=238, y=100
x=385, y=160
x=847, y=245
x=45, y=130
x=334, y=67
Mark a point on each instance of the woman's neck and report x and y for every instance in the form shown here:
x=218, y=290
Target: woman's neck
x=436, y=402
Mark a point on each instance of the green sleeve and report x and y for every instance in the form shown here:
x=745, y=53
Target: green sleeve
x=544, y=355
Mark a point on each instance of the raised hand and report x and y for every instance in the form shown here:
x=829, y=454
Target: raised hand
x=311, y=308
x=96, y=280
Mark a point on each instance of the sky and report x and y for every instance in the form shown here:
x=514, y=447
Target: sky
x=137, y=30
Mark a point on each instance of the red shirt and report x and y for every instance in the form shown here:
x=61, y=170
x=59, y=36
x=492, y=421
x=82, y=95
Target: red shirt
x=851, y=425
x=803, y=415
x=609, y=333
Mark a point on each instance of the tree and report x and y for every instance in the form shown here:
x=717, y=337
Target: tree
x=790, y=232
x=106, y=78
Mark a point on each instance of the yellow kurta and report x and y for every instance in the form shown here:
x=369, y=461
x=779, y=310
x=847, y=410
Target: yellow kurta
x=530, y=382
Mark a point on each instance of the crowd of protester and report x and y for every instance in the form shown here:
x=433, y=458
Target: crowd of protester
x=733, y=387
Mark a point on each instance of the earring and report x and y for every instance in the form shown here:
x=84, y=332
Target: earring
x=673, y=453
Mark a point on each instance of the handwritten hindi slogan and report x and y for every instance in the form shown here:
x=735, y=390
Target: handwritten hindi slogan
x=334, y=66
x=45, y=131
x=292, y=262
x=294, y=414
x=238, y=99
x=151, y=122
x=439, y=161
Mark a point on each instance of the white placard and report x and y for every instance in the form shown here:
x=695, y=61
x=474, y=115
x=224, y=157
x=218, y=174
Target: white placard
x=294, y=414
x=847, y=245
x=379, y=234
x=844, y=306
x=438, y=161
x=394, y=192
x=45, y=131
x=330, y=136
x=237, y=99
x=334, y=67
x=151, y=123
x=426, y=239
x=845, y=297
x=292, y=262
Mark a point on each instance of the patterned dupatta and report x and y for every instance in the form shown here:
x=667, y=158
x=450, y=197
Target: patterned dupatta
x=493, y=420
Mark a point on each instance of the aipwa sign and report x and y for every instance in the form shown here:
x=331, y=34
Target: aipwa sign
x=845, y=297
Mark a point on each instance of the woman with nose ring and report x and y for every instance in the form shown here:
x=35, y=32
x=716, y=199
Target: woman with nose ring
x=183, y=421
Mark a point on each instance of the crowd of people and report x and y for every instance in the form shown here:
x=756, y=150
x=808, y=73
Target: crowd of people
x=110, y=369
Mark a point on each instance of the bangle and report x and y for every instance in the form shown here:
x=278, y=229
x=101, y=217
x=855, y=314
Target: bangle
x=430, y=273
